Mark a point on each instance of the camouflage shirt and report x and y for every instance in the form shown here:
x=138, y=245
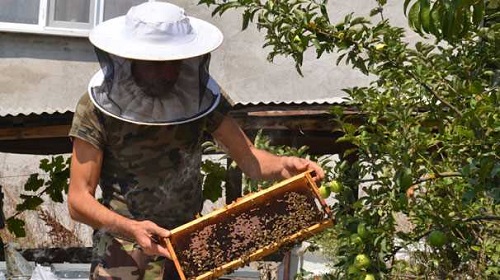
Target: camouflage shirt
x=148, y=172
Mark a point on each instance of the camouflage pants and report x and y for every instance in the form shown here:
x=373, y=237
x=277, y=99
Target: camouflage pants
x=117, y=259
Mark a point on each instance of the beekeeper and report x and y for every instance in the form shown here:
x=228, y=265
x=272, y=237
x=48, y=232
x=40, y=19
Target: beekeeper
x=138, y=134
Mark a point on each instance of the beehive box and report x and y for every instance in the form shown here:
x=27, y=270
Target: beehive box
x=249, y=229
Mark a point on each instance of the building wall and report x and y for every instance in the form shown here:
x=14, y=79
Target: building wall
x=46, y=74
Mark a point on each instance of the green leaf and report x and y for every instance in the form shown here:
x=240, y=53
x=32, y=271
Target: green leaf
x=30, y=202
x=247, y=17
x=58, y=163
x=425, y=15
x=478, y=13
x=339, y=59
x=324, y=11
x=435, y=22
x=466, y=23
x=56, y=193
x=212, y=189
x=449, y=27
x=405, y=6
x=44, y=165
x=414, y=18
x=214, y=178
x=34, y=183
x=16, y=226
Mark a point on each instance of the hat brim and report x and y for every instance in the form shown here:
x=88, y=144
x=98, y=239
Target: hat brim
x=98, y=79
x=110, y=36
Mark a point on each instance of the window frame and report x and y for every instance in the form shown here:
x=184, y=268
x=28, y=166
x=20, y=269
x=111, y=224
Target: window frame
x=51, y=22
x=48, y=26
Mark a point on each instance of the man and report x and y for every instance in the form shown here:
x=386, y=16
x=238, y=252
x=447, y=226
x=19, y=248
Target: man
x=138, y=135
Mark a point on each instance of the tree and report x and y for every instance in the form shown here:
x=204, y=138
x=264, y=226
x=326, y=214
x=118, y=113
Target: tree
x=428, y=147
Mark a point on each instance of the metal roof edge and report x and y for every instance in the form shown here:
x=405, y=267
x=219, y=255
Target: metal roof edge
x=12, y=113
x=322, y=101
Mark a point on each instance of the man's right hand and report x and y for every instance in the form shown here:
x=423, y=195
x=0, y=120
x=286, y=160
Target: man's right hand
x=149, y=237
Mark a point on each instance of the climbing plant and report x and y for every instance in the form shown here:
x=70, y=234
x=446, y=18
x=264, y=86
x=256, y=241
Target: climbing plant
x=53, y=185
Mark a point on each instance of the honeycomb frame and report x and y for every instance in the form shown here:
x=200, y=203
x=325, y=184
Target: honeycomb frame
x=301, y=187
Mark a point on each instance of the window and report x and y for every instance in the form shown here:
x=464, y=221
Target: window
x=60, y=17
x=19, y=11
x=71, y=14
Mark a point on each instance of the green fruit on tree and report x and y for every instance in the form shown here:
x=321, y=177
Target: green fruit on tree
x=362, y=261
x=324, y=191
x=336, y=186
x=437, y=238
x=370, y=277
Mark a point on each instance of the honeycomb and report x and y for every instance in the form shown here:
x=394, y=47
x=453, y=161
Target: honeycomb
x=249, y=229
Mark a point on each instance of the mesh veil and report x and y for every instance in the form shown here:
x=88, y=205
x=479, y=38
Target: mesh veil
x=117, y=94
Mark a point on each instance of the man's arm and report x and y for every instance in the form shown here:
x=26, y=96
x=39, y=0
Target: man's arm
x=259, y=164
x=86, y=164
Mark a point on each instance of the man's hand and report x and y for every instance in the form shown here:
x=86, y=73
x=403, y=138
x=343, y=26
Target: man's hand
x=149, y=237
x=295, y=165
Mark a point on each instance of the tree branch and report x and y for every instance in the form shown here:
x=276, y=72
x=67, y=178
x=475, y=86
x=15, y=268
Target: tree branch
x=432, y=91
x=481, y=218
x=429, y=177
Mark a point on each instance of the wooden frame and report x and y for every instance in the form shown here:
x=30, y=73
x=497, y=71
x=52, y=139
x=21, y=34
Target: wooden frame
x=301, y=181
